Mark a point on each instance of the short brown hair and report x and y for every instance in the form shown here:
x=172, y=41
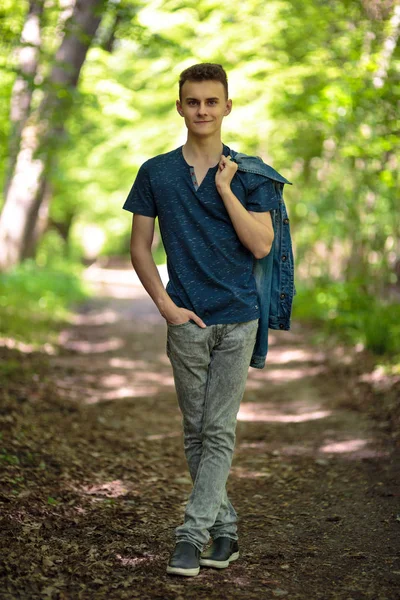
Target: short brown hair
x=204, y=72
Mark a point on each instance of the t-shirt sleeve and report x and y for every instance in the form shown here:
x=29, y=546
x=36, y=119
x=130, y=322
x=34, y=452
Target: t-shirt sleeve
x=140, y=199
x=263, y=197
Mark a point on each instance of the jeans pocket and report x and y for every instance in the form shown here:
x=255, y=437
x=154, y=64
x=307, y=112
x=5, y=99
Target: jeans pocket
x=178, y=324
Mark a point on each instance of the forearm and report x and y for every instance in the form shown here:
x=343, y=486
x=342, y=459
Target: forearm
x=146, y=269
x=255, y=236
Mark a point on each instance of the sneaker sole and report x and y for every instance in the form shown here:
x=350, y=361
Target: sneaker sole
x=218, y=564
x=185, y=572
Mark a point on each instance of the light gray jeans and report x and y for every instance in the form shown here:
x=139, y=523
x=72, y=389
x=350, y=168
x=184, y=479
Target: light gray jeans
x=210, y=368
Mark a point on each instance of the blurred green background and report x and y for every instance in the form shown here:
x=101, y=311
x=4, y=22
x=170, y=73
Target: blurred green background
x=315, y=88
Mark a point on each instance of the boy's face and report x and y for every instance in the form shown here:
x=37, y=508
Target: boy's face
x=203, y=106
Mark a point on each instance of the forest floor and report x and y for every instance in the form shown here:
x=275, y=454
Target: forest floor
x=94, y=479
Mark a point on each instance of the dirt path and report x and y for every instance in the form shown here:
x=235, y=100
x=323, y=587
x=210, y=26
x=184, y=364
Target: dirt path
x=94, y=479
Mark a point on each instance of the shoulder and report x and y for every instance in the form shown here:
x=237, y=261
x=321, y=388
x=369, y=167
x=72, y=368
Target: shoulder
x=160, y=162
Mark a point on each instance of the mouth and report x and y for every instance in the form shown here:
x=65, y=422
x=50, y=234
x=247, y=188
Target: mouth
x=199, y=122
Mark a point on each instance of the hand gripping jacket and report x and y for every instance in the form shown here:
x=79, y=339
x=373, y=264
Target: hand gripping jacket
x=274, y=273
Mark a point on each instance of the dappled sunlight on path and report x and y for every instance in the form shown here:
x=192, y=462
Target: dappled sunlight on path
x=250, y=411
x=97, y=481
x=115, y=350
x=307, y=473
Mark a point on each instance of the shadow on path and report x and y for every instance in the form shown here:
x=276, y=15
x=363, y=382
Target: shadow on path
x=314, y=478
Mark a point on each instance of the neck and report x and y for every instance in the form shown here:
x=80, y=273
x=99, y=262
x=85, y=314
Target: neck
x=207, y=149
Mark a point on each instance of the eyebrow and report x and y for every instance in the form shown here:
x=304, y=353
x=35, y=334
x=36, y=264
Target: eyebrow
x=214, y=98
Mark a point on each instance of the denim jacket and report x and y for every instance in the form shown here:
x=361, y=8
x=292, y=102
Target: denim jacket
x=274, y=273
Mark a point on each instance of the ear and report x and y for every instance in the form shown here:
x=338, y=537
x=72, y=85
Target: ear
x=228, y=107
x=179, y=107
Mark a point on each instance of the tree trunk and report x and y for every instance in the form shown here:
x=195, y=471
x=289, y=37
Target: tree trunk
x=38, y=138
x=39, y=227
x=388, y=49
x=21, y=96
x=35, y=233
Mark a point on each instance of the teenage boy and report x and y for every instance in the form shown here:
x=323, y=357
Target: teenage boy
x=213, y=222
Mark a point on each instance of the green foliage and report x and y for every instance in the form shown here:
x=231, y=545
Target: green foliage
x=336, y=122
x=34, y=300
x=312, y=94
x=159, y=255
x=354, y=315
x=10, y=459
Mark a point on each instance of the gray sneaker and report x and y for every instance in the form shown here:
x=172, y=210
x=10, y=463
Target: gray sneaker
x=184, y=560
x=223, y=551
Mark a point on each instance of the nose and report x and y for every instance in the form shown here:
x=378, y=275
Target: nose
x=202, y=108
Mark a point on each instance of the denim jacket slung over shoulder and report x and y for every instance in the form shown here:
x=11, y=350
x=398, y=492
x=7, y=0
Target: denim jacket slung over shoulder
x=274, y=273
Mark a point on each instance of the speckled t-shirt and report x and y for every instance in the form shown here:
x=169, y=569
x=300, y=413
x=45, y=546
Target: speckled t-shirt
x=210, y=271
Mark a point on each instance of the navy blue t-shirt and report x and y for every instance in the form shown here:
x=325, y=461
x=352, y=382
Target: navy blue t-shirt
x=210, y=271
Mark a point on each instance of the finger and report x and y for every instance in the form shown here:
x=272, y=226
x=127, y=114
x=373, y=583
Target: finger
x=229, y=162
x=198, y=321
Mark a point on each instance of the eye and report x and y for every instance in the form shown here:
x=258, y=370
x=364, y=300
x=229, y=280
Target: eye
x=212, y=102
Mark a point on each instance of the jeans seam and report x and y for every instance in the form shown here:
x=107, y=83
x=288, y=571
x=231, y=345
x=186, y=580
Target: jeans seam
x=204, y=413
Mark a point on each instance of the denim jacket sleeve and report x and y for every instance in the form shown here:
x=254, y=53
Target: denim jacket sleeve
x=274, y=273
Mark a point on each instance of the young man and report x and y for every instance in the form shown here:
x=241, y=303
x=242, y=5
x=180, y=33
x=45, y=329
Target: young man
x=213, y=222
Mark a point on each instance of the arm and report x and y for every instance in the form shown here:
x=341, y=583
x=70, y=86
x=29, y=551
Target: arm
x=255, y=230
x=146, y=269
x=142, y=261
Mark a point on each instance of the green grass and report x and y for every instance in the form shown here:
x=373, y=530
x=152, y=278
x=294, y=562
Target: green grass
x=34, y=300
x=353, y=315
